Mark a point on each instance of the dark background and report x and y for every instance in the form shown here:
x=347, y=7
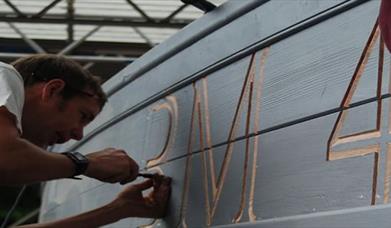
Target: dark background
x=29, y=201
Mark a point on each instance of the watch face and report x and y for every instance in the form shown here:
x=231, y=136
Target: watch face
x=80, y=157
x=80, y=161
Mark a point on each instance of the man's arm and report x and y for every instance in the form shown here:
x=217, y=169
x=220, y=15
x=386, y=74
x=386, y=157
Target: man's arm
x=101, y=216
x=385, y=22
x=21, y=162
x=129, y=203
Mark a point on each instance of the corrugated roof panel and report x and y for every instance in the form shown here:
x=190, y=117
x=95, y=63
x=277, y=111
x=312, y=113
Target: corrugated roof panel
x=112, y=31
x=109, y=33
x=116, y=39
x=7, y=32
x=28, y=6
x=102, y=8
x=108, y=12
x=163, y=31
x=189, y=14
x=156, y=9
x=41, y=31
x=4, y=8
x=41, y=26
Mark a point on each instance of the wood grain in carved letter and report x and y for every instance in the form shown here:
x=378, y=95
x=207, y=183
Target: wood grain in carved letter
x=200, y=114
x=196, y=116
x=336, y=139
x=186, y=179
x=172, y=107
x=246, y=96
x=232, y=133
x=258, y=90
x=259, y=86
x=153, y=164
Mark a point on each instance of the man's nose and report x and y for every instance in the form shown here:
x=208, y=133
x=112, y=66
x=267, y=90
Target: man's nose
x=77, y=133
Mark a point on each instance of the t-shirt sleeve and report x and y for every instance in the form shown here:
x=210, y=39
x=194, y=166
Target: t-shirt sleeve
x=12, y=93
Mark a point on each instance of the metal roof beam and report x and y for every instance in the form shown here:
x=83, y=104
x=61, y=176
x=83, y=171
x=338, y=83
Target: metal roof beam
x=76, y=43
x=70, y=15
x=37, y=15
x=27, y=217
x=14, y=8
x=203, y=5
x=139, y=10
x=34, y=45
x=82, y=58
x=46, y=9
x=110, y=21
x=88, y=65
x=175, y=12
x=145, y=37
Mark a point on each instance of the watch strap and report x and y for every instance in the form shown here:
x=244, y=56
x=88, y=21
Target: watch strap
x=79, y=160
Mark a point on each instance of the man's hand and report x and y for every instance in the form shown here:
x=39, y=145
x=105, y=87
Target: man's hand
x=385, y=22
x=129, y=203
x=112, y=165
x=154, y=205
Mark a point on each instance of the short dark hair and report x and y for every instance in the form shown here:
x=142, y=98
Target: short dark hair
x=43, y=67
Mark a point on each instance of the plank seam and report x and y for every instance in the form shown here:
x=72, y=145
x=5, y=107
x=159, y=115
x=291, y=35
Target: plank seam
x=264, y=43
x=281, y=126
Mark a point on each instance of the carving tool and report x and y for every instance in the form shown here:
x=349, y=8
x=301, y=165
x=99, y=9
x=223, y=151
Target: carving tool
x=146, y=175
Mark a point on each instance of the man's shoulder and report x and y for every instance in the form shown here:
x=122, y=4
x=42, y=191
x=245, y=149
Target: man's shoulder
x=7, y=66
x=9, y=69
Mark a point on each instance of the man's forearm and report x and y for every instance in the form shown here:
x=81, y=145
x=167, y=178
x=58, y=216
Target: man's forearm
x=22, y=162
x=385, y=22
x=101, y=216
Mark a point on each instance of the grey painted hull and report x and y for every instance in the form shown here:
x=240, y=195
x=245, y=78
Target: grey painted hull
x=242, y=109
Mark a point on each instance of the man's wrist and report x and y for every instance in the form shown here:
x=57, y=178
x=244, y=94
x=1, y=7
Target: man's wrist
x=80, y=162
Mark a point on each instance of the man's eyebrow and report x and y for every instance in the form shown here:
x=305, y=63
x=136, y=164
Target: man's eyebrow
x=88, y=115
x=91, y=117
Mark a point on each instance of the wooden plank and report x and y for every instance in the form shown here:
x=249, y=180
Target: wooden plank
x=361, y=217
x=170, y=72
x=191, y=133
x=292, y=177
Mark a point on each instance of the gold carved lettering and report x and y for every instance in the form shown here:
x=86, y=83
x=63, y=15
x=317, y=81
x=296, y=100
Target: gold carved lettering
x=172, y=107
x=200, y=114
x=336, y=139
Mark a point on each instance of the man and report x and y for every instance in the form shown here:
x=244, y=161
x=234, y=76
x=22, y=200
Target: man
x=48, y=99
x=385, y=22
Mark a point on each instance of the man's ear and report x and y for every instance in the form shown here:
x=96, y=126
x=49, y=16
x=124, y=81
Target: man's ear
x=52, y=89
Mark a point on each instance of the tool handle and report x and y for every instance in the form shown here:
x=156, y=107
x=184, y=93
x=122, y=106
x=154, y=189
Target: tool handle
x=146, y=175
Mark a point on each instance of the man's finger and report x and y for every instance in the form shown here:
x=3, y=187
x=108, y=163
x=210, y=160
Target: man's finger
x=160, y=180
x=162, y=192
x=110, y=179
x=133, y=168
x=157, y=180
x=143, y=185
x=167, y=180
x=127, y=180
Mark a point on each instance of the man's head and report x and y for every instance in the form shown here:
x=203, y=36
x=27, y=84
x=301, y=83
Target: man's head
x=45, y=67
x=60, y=98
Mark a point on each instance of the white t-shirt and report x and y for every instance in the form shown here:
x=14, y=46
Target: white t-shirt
x=12, y=92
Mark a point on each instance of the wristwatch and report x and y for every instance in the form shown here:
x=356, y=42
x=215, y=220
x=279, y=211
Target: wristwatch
x=80, y=161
